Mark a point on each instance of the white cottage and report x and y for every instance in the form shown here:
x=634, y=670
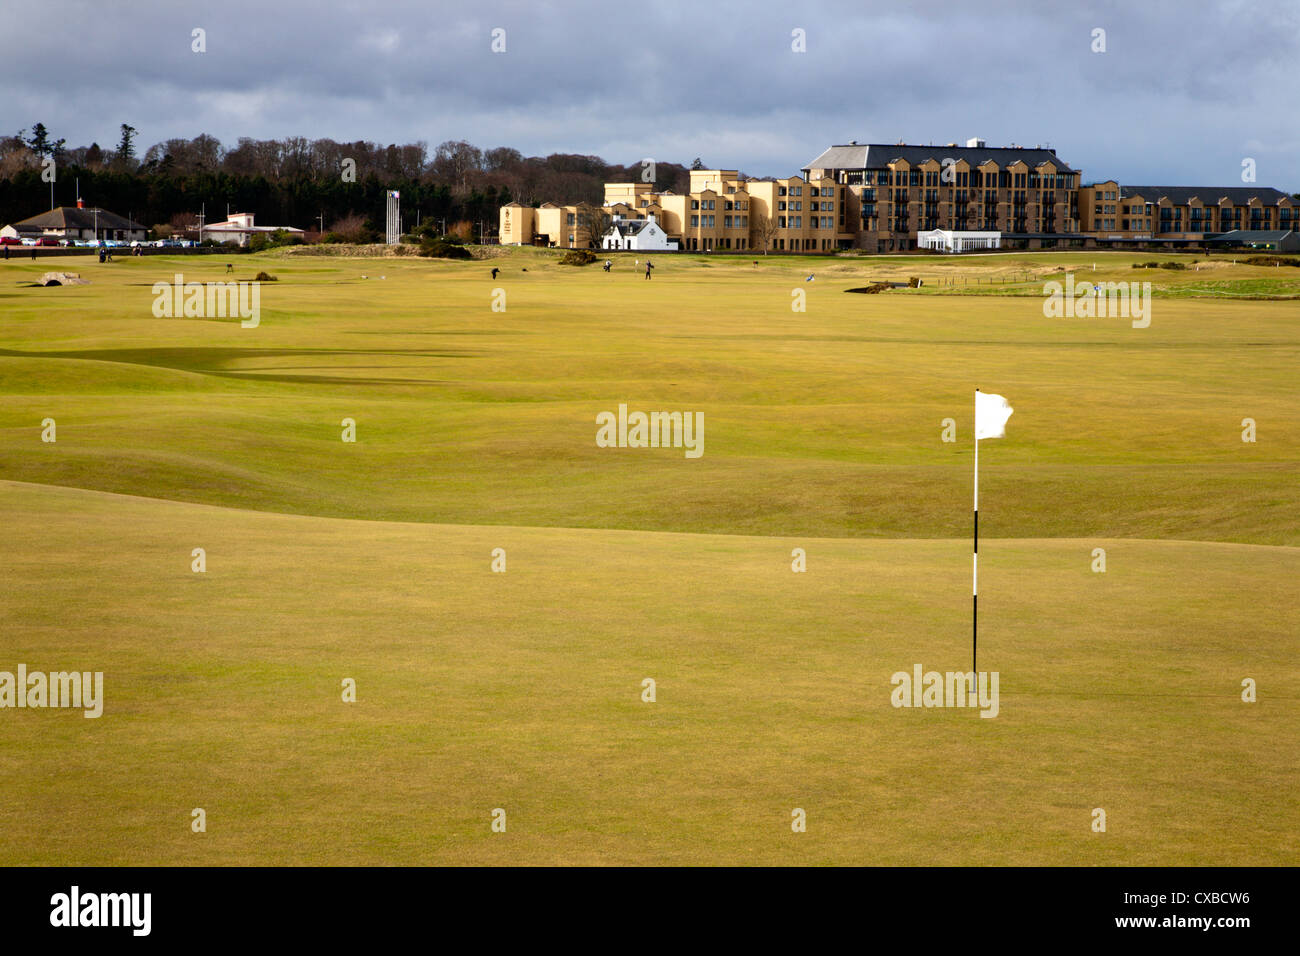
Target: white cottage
x=640, y=234
x=240, y=228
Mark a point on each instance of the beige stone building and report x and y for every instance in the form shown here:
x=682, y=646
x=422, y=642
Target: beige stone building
x=720, y=212
x=879, y=197
x=1029, y=195
x=1176, y=216
x=564, y=227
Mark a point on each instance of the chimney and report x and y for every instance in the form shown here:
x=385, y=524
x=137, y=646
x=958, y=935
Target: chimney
x=80, y=203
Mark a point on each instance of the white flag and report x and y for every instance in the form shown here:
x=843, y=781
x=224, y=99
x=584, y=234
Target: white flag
x=991, y=414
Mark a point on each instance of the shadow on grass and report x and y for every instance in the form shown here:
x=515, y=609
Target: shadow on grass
x=212, y=361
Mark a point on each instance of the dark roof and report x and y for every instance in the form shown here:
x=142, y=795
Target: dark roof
x=630, y=227
x=880, y=155
x=70, y=217
x=1210, y=195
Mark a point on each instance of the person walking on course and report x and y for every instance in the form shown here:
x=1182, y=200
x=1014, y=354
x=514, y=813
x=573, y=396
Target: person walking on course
x=495, y=270
x=648, y=266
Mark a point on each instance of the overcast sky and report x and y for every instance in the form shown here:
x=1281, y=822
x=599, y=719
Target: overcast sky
x=1184, y=91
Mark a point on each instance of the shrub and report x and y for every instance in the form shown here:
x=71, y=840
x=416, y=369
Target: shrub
x=1271, y=261
x=353, y=228
x=1172, y=265
x=269, y=240
x=265, y=277
x=578, y=257
x=441, y=249
x=913, y=282
x=428, y=230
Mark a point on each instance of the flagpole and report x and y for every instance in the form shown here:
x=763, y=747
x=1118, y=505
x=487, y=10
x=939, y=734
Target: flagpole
x=975, y=554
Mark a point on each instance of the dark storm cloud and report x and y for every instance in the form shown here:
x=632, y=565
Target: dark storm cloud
x=1183, y=93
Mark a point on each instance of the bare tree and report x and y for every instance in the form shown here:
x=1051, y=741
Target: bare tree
x=502, y=157
x=15, y=155
x=762, y=229
x=455, y=160
x=185, y=224
x=595, y=221
x=351, y=228
x=203, y=154
x=297, y=157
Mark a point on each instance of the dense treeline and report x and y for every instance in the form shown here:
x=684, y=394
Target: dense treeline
x=299, y=182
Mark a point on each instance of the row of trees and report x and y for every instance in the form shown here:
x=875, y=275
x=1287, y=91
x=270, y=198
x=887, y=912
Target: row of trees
x=300, y=182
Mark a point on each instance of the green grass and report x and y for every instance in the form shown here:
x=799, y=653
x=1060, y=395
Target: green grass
x=522, y=690
x=826, y=422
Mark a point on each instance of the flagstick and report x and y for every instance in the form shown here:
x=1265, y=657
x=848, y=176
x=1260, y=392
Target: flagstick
x=975, y=555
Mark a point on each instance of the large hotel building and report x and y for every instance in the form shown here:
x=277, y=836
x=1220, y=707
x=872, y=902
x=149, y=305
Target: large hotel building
x=882, y=198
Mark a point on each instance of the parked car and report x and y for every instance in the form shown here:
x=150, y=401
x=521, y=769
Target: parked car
x=47, y=241
x=10, y=241
x=26, y=241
